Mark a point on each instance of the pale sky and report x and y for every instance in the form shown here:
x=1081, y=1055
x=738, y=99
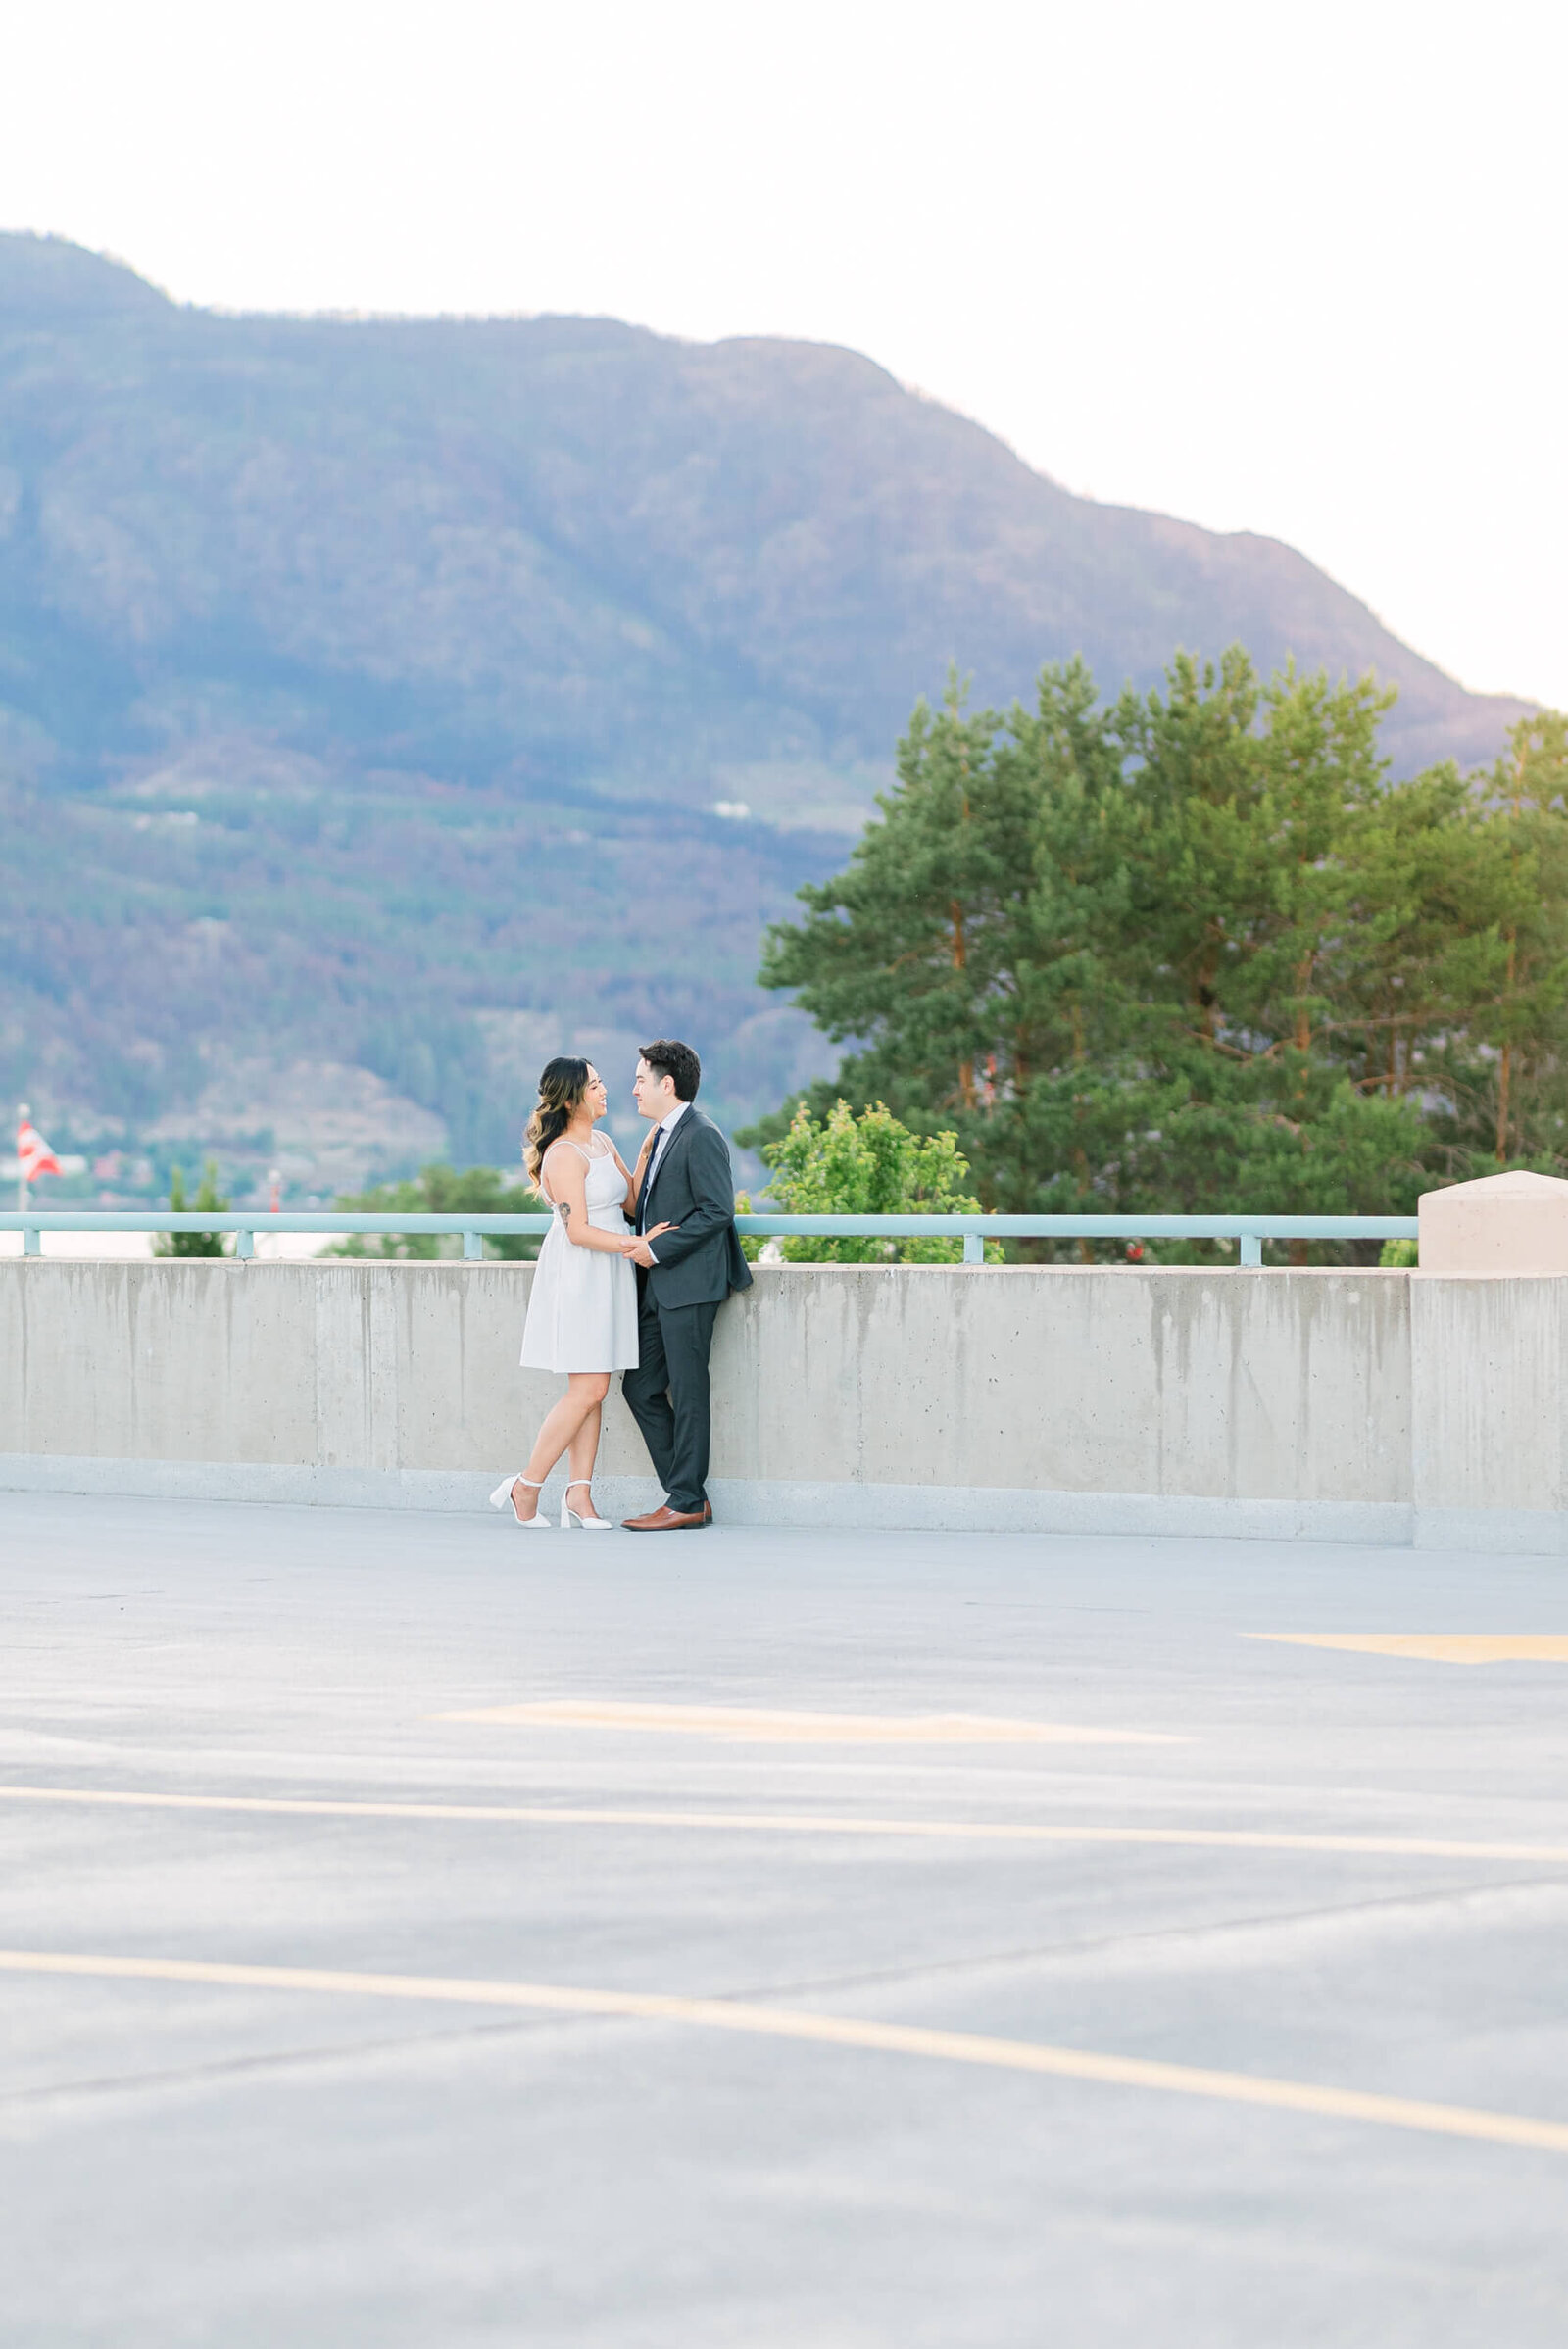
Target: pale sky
x=1295, y=269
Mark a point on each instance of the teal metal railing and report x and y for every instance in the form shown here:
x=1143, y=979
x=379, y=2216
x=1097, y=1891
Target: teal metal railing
x=1251, y=1231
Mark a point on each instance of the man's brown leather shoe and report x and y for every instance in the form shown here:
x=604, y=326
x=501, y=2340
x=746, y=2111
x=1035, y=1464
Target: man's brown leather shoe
x=666, y=1520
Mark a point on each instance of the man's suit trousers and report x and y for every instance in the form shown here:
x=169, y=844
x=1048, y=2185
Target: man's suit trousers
x=667, y=1394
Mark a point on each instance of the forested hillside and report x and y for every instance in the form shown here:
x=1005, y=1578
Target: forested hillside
x=368, y=687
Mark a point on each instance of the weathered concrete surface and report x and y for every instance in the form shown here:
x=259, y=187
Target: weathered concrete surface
x=1355, y=1406
x=1489, y=1369
x=913, y=1395
x=187, y=2163
x=1212, y=1385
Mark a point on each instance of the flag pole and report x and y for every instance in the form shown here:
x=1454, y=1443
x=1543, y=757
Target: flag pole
x=22, y=1179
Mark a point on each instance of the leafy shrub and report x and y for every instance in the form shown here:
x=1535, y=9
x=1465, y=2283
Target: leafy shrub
x=865, y=1165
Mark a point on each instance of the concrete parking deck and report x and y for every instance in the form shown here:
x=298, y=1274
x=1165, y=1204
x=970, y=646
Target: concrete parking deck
x=423, y=1934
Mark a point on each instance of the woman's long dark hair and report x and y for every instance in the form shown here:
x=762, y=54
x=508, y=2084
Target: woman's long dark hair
x=561, y=1086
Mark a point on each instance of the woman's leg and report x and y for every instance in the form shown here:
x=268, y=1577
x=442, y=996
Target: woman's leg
x=585, y=1449
x=585, y=1392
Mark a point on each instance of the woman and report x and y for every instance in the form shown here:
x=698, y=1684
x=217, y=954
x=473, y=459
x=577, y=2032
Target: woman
x=582, y=1314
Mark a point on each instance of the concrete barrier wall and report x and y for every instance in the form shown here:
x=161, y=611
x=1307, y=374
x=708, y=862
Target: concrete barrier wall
x=1366, y=1405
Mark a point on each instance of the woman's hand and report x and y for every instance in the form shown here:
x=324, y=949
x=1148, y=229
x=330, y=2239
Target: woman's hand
x=635, y=1242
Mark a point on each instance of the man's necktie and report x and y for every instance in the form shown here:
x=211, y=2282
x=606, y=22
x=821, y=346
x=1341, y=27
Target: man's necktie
x=659, y=1139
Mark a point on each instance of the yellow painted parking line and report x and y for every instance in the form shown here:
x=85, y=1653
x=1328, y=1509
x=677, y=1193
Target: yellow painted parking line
x=829, y=2031
x=1436, y=1647
x=805, y=1823
x=753, y=1725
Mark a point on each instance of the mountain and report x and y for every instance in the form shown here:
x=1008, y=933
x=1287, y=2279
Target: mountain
x=367, y=682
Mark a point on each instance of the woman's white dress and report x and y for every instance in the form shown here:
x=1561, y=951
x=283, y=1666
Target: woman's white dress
x=582, y=1312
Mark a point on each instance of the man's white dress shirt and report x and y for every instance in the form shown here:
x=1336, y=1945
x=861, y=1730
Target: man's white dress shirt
x=667, y=1126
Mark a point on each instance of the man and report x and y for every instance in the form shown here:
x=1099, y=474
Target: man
x=684, y=1275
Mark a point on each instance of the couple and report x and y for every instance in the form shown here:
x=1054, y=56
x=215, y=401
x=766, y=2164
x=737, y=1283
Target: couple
x=591, y=1313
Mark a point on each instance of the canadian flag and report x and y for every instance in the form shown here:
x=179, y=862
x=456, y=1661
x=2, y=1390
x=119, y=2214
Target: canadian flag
x=34, y=1157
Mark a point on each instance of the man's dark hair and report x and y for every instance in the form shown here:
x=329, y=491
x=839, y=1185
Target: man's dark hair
x=678, y=1063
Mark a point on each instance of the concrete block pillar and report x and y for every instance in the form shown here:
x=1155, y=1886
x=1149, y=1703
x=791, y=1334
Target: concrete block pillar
x=1505, y=1223
x=1488, y=1366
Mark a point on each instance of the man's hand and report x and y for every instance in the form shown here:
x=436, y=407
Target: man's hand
x=639, y=1251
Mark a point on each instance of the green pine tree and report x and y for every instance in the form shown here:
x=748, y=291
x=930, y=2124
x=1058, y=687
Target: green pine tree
x=1238, y=809
x=912, y=946
x=1524, y=1023
x=1128, y=954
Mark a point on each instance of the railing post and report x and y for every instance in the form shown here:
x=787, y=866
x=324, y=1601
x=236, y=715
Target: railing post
x=31, y=1240
x=473, y=1247
x=974, y=1248
x=244, y=1245
x=1251, y=1250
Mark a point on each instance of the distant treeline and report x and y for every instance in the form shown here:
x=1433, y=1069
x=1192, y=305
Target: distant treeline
x=1192, y=950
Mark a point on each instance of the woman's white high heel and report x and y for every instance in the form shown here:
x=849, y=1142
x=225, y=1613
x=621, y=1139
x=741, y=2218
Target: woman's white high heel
x=503, y=1499
x=570, y=1516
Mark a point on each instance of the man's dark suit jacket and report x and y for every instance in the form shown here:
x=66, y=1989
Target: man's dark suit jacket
x=693, y=1187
